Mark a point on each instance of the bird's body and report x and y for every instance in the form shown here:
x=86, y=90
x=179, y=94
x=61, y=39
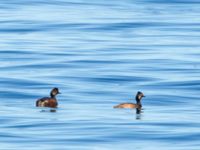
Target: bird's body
x=138, y=104
x=128, y=105
x=48, y=101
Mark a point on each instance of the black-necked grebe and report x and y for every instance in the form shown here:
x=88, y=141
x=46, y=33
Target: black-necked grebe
x=138, y=104
x=49, y=101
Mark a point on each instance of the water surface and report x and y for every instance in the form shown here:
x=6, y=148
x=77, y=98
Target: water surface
x=99, y=54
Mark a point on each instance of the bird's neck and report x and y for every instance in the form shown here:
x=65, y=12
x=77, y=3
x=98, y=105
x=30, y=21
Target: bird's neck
x=52, y=96
x=139, y=103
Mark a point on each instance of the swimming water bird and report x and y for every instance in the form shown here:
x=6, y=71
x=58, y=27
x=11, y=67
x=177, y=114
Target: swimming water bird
x=49, y=101
x=138, y=104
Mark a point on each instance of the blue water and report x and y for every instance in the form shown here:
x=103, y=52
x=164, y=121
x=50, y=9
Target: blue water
x=99, y=54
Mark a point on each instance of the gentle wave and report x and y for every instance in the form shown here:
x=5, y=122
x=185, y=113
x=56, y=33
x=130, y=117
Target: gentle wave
x=99, y=54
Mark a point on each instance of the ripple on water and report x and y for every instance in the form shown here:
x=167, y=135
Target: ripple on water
x=99, y=54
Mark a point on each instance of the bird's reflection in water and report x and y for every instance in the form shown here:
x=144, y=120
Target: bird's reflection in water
x=138, y=113
x=53, y=110
x=48, y=110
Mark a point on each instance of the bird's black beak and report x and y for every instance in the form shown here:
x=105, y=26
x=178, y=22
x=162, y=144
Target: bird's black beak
x=59, y=93
x=143, y=96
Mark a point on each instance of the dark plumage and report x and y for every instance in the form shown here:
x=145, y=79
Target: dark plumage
x=49, y=101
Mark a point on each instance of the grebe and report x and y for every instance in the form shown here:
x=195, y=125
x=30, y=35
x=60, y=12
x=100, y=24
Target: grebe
x=138, y=104
x=49, y=101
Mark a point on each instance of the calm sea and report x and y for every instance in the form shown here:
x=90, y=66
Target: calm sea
x=100, y=53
